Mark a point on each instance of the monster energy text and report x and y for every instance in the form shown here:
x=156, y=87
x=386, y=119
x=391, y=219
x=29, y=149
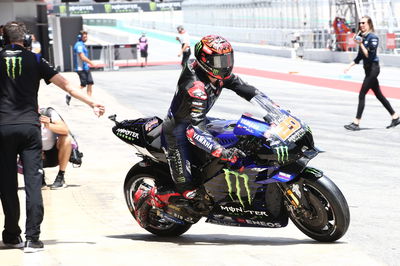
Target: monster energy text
x=238, y=187
x=13, y=63
x=282, y=153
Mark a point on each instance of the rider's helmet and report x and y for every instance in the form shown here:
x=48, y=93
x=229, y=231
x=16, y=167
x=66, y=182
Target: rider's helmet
x=215, y=56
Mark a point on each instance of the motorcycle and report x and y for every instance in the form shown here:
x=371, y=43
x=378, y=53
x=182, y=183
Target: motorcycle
x=271, y=184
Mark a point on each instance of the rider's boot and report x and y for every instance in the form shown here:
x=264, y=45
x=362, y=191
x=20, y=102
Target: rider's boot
x=194, y=201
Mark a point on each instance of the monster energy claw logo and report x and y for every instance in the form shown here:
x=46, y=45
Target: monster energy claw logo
x=198, y=47
x=238, y=187
x=283, y=153
x=313, y=171
x=13, y=63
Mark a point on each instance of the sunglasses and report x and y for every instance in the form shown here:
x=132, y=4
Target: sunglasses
x=361, y=23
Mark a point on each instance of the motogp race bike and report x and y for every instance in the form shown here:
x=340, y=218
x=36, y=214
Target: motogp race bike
x=271, y=184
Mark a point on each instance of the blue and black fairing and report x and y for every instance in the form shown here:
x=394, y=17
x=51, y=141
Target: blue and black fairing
x=222, y=131
x=142, y=133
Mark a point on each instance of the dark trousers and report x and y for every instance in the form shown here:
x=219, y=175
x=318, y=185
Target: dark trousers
x=25, y=140
x=371, y=82
x=178, y=153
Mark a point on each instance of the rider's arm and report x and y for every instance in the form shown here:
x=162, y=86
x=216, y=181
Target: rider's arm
x=251, y=94
x=241, y=88
x=248, y=92
x=196, y=132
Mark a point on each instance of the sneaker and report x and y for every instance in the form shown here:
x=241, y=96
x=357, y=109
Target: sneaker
x=59, y=183
x=33, y=246
x=394, y=123
x=68, y=99
x=16, y=243
x=352, y=127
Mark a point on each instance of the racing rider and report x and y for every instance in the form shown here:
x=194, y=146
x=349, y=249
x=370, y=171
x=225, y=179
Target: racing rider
x=199, y=86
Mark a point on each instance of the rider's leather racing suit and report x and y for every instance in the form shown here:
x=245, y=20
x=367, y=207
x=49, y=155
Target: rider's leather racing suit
x=185, y=124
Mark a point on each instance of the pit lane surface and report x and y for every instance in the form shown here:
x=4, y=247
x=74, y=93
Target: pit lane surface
x=88, y=223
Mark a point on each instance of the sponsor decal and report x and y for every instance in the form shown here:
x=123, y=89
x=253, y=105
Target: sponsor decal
x=287, y=128
x=14, y=66
x=215, y=71
x=198, y=91
x=207, y=50
x=127, y=134
x=261, y=223
x=284, y=176
x=81, y=9
x=296, y=136
x=282, y=153
x=296, y=190
x=189, y=194
x=189, y=135
x=198, y=104
x=241, y=210
x=63, y=9
x=238, y=176
x=203, y=141
x=313, y=171
x=198, y=47
x=108, y=8
x=188, y=167
x=151, y=124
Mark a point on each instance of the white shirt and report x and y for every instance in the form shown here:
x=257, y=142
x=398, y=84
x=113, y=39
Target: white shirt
x=184, y=38
x=49, y=138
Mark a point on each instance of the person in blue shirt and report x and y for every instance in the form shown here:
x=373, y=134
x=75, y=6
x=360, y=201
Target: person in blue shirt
x=368, y=45
x=81, y=64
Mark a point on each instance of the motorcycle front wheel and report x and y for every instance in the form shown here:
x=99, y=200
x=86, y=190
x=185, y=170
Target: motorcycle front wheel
x=156, y=224
x=327, y=216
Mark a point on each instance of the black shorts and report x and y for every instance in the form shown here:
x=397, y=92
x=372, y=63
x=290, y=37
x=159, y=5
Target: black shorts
x=85, y=77
x=50, y=157
x=143, y=53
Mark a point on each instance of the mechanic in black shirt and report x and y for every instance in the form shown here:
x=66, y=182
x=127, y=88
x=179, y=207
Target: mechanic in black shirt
x=20, y=74
x=368, y=45
x=199, y=86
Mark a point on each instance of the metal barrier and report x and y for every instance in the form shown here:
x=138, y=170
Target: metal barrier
x=111, y=57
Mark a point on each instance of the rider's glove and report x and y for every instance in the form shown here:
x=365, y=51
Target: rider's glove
x=231, y=155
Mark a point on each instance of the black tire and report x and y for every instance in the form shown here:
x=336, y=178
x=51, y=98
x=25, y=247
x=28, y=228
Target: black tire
x=157, y=225
x=330, y=212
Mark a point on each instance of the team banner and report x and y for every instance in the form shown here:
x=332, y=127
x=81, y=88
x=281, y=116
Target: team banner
x=79, y=9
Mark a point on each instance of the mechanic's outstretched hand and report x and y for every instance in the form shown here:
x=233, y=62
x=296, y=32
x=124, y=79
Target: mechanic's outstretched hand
x=98, y=109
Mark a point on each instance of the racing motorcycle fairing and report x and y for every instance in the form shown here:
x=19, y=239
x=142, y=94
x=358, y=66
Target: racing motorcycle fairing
x=144, y=134
x=244, y=203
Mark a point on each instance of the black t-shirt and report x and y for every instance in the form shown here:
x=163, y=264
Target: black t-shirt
x=20, y=75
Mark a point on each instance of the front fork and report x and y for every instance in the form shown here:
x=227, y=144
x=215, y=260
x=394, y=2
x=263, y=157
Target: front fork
x=296, y=196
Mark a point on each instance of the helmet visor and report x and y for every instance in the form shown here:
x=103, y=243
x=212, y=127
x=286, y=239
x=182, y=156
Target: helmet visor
x=222, y=60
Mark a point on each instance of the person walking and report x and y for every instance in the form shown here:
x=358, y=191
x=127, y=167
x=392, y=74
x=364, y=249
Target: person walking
x=81, y=64
x=184, y=39
x=20, y=75
x=368, y=45
x=143, y=46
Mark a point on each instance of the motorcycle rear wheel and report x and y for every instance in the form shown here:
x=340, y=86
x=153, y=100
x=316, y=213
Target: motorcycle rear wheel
x=330, y=215
x=157, y=225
